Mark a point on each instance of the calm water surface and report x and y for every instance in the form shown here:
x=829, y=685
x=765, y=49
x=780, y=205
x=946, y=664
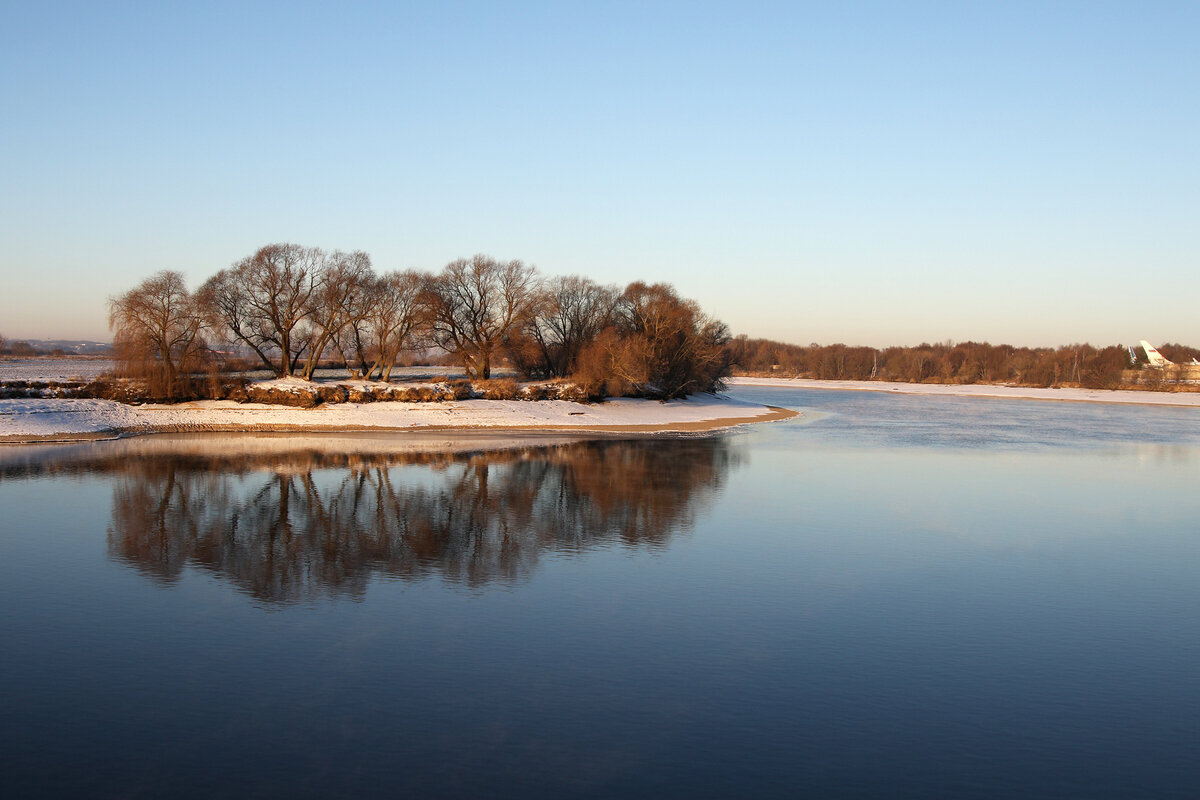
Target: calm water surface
x=891, y=596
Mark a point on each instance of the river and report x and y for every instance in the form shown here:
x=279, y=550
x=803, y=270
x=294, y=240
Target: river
x=890, y=595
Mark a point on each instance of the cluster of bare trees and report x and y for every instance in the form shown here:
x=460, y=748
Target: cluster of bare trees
x=964, y=362
x=293, y=305
x=296, y=307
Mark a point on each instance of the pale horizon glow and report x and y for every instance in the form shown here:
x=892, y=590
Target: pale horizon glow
x=863, y=173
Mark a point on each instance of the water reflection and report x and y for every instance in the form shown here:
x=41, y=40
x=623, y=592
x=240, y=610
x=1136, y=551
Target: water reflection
x=295, y=523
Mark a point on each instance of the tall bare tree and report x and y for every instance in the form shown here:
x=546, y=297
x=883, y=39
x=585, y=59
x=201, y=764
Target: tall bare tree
x=343, y=296
x=475, y=305
x=262, y=301
x=396, y=319
x=157, y=330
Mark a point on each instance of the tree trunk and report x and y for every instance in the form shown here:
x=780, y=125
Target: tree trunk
x=314, y=356
x=170, y=374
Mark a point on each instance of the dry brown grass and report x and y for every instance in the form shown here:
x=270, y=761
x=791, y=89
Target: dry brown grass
x=497, y=389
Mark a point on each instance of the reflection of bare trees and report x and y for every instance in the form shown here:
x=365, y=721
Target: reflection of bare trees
x=312, y=523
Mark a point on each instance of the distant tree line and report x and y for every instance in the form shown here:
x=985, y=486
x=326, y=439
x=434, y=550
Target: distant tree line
x=22, y=349
x=962, y=363
x=295, y=308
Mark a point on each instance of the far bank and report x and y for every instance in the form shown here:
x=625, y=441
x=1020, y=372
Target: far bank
x=1123, y=396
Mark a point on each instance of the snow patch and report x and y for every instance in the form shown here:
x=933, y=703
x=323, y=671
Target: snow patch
x=34, y=417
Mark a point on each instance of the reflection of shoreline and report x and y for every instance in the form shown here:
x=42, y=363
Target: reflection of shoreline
x=286, y=525
x=254, y=450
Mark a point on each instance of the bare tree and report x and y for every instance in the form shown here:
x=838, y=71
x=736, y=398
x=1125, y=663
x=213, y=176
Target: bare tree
x=262, y=301
x=395, y=319
x=343, y=296
x=157, y=329
x=570, y=313
x=226, y=304
x=475, y=305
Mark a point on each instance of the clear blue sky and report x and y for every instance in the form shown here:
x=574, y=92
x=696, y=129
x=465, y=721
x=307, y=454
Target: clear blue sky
x=870, y=173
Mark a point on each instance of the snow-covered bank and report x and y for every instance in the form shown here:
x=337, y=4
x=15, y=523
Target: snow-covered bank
x=980, y=390
x=44, y=419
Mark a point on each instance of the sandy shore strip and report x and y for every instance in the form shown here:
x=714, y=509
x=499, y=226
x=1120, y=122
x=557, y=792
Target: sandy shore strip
x=42, y=420
x=1126, y=396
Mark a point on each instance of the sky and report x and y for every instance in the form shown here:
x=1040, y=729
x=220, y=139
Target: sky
x=867, y=173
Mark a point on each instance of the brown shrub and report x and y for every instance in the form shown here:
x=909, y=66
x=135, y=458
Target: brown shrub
x=608, y=367
x=332, y=394
x=576, y=393
x=536, y=391
x=457, y=390
x=304, y=398
x=219, y=387
x=106, y=388
x=497, y=389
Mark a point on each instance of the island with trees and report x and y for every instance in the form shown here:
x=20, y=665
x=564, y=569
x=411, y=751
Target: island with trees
x=293, y=309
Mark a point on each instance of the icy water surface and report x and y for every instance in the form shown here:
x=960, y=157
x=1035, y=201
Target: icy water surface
x=890, y=596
